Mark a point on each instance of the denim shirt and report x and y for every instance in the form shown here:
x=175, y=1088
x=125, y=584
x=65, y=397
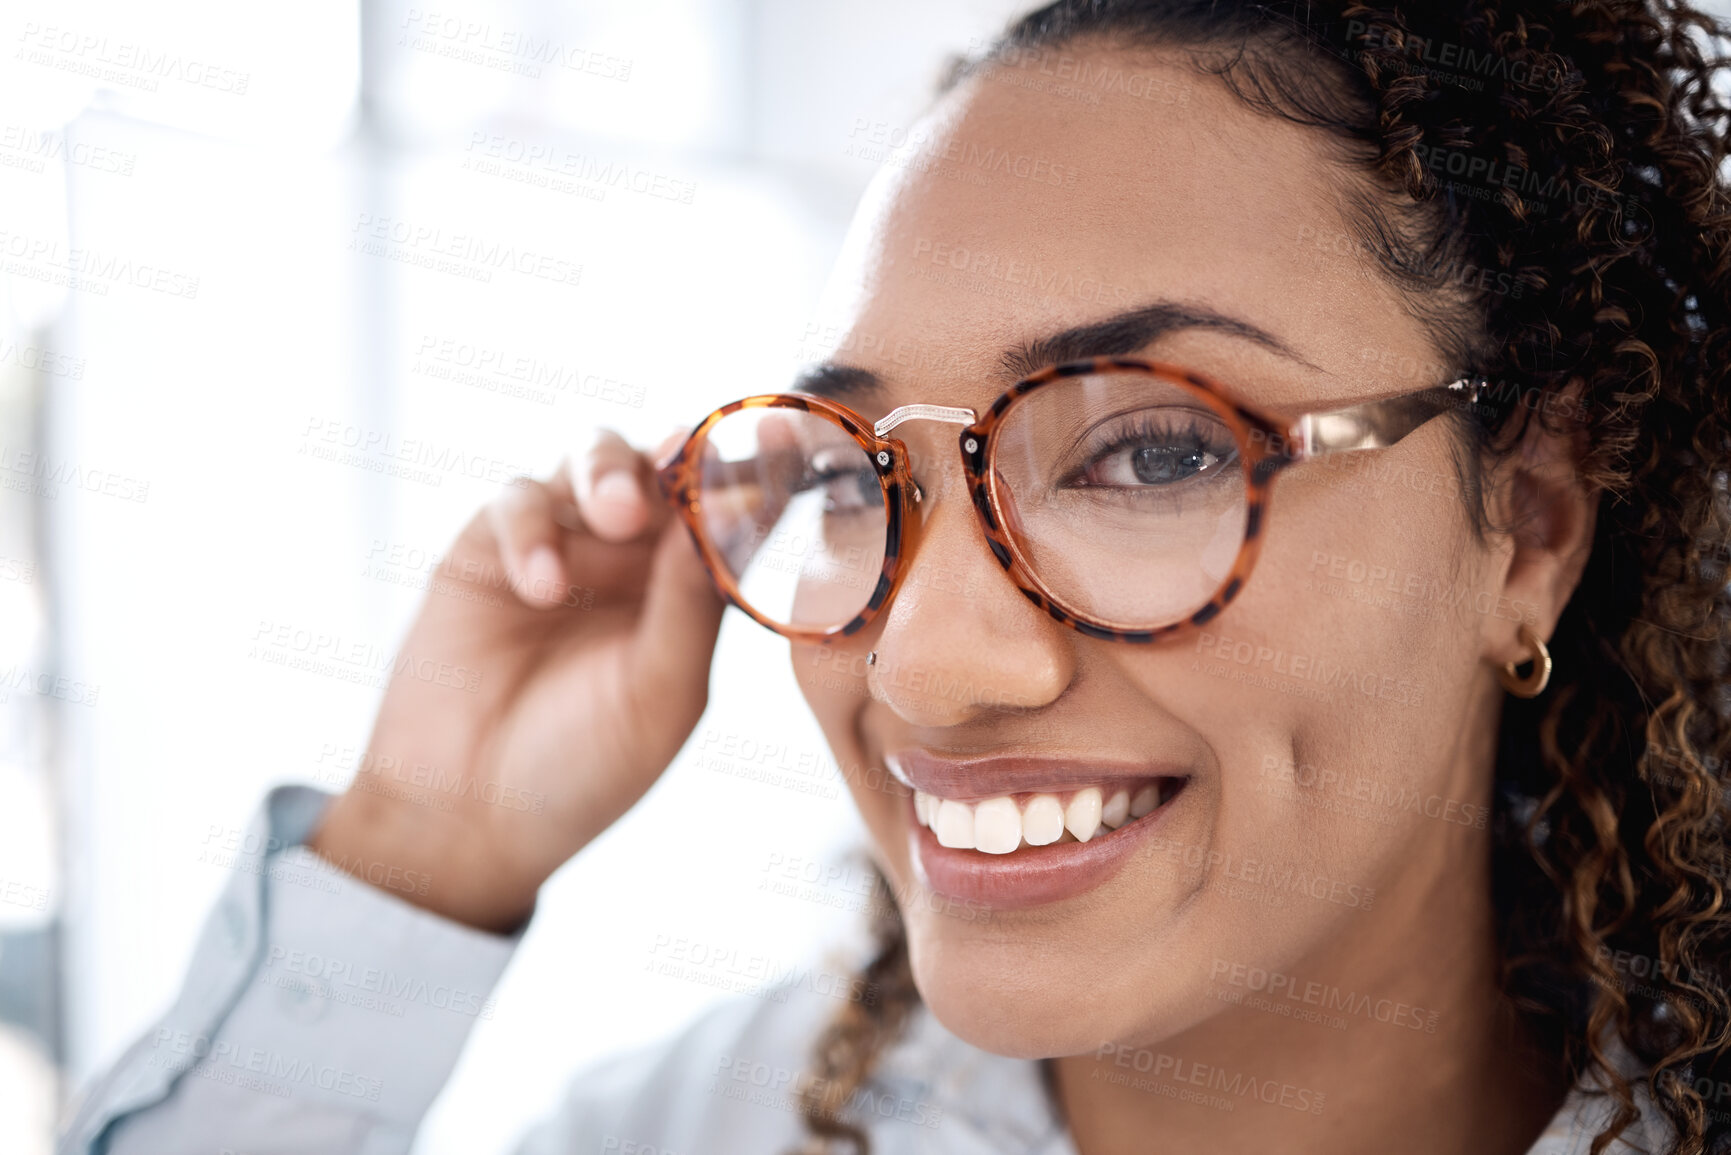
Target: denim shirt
x=254, y=1056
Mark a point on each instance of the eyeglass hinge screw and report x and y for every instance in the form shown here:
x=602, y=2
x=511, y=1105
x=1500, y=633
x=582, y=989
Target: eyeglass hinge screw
x=971, y=445
x=883, y=457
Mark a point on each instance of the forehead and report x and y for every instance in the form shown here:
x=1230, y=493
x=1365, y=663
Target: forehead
x=1027, y=208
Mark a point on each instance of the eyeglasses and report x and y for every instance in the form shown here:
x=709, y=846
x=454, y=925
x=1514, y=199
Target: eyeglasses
x=1126, y=498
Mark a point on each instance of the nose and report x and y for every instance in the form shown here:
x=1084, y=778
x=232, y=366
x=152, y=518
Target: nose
x=959, y=641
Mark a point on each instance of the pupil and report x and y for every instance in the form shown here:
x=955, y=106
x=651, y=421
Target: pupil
x=1166, y=464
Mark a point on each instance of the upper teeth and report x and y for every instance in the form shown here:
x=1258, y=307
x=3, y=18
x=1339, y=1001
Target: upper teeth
x=998, y=825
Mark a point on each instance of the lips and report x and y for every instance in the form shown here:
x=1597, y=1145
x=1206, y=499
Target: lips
x=1036, y=869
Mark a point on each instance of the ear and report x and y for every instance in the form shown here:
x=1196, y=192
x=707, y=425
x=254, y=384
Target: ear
x=1544, y=513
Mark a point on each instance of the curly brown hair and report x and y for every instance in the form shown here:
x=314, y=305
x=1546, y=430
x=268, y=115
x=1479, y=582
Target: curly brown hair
x=1545, y=179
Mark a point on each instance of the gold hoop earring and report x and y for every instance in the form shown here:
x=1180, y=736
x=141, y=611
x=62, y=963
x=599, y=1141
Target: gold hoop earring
x=1535, y=682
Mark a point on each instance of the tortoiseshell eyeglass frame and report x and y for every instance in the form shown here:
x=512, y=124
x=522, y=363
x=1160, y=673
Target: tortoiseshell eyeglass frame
x=1267, y=443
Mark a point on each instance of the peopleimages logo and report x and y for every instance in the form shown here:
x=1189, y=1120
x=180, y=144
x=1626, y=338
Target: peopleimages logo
x=1359, y=788
x=503, y=48
x=180, y=1050
x=1310, y=668
x=1325, y=995
x=1413, y=586
x=125, y=62
x=1446, y=57
x=1491, y=176
x=465, y=254
x=340, y=974
x=496, y=154
x=51, y=473
x=1166, y=1071
x=517, y=374
x=319, y=650
x=33, y=148
x=89, y=270
x=1009, y=275
x=1276, y=879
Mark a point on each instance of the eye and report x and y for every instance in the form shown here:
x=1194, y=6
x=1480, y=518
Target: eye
x=848, y=482
x=1151, y=465
x=1154, y=449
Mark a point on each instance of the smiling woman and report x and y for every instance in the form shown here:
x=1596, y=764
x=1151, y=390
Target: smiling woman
x=1293, y=626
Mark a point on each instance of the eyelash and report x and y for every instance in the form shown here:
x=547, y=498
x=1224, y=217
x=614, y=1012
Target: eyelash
x=1139, y=430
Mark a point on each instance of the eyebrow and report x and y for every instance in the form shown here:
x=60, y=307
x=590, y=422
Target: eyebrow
x=1118, y=335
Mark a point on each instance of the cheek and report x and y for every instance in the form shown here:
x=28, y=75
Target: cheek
x=1353, y=653
x=1354, y=649
x=883, y=808
x=832, y=679
x=1378, y=584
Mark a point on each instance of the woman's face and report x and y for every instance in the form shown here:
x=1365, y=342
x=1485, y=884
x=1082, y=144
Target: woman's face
x=1329, y=730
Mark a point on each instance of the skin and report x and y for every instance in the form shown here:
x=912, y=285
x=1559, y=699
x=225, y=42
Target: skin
x=1201, y=202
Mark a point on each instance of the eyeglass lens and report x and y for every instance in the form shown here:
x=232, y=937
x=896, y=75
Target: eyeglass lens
x=1125, y=494
x=791, y=505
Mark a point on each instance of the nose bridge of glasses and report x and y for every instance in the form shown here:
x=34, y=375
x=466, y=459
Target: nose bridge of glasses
x=922, y=413
x=943, y=413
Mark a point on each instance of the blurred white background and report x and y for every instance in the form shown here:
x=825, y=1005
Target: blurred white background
x=218, y=226
x=218, y=236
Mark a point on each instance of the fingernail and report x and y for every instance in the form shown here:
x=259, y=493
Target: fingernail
x=542, y=573
x=617, y=485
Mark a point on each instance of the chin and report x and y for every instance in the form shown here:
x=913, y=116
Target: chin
x=987, y=991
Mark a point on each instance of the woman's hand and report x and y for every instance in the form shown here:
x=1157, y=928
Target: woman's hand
x=577, y=623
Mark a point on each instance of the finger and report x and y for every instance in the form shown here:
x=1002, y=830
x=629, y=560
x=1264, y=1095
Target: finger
x=564, y=493
x=669, y=444
x=778, y=441
x=523, y=523
x=613, y=489
x=676, y=634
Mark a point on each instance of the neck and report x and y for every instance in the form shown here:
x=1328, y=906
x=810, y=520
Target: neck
x=1397, y=1028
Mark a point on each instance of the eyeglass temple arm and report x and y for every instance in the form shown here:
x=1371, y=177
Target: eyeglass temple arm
x=1377, y=424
